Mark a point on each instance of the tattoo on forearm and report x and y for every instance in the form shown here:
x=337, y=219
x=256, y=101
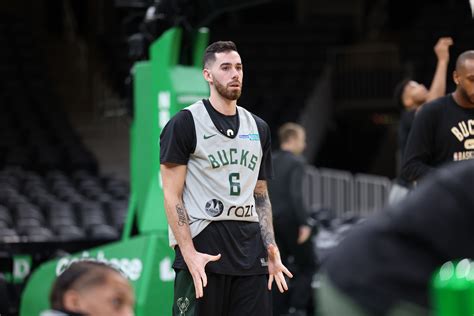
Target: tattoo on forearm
x=182, y=215
x=264, y=211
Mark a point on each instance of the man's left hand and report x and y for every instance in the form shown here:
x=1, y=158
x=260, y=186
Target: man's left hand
x=304, y=233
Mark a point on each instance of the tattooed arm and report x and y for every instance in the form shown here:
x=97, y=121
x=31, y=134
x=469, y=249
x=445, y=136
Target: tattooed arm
x=173, y=177
x=263, y=207
x=264, y=211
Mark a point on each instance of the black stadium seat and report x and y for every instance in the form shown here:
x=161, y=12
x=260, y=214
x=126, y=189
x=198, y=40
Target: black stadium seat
x=9, y=235
x=26, y=210
x=5, y=215
x=103, y=232
x=62, y=221
x=92, y=219
x=38, y=234
x=69, y=233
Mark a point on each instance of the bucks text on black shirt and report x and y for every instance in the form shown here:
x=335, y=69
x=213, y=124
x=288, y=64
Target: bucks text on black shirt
x=442, y=132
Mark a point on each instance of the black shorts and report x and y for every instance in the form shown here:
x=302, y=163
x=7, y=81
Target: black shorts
x=224, y=295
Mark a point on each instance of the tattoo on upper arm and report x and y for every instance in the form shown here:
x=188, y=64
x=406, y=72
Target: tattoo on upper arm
x=264, y=211
x=182, y=215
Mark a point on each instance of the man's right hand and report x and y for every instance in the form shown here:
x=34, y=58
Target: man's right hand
x=441, y=48
x=196, y=262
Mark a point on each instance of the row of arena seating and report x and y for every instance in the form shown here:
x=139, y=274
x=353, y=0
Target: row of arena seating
x=60, y=207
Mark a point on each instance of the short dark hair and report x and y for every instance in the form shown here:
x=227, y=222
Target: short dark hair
x=463, y=57
x=398, y=92
x=217, y=47
x=288, y=131
x=80, y=274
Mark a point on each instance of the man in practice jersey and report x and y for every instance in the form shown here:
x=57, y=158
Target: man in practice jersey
x=215, y=159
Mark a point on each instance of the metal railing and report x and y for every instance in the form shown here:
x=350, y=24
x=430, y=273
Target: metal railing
x=312, y=188
x=370, y=193
x=343, y=193
x=337, y=192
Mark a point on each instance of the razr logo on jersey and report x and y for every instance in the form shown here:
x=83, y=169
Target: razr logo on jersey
x=241, y=211
x=214, y=207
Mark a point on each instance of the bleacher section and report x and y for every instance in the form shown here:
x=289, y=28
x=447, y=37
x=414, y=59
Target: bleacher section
x=58, y=207
x=50, y=187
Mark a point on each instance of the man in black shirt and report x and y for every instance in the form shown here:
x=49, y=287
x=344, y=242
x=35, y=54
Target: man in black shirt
x=291, y=219
x=385, y=265
x=215, y=159
x=443, y=130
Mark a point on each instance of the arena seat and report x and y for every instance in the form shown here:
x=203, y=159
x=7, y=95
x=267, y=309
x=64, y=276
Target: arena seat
x=102, y=231
x=38, y=234
x=5, y=216
x=69, y=233
x=39, y=207
x=55, y=221
x=9, y=235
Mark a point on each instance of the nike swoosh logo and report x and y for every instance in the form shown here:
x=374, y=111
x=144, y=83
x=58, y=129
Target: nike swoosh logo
x=209, y=136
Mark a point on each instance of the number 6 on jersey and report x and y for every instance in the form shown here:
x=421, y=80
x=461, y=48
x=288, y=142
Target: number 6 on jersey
x=234, y=184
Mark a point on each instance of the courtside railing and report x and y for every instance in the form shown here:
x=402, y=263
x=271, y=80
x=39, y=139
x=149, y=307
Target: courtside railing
x=343, y=193
x=370, y=193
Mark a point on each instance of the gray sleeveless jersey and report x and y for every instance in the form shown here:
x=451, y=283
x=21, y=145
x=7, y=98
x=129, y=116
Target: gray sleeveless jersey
x=222, y=172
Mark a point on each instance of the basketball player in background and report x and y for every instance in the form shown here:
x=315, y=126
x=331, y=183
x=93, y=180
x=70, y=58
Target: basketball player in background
x=215, y=160
x=411, y=95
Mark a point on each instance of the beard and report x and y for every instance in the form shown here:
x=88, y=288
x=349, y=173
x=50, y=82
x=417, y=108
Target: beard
x=469, y=98
x=226, y=93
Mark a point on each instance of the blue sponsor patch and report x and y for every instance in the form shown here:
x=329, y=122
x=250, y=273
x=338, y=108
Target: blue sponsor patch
x=254, y=137
x=250, y=136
